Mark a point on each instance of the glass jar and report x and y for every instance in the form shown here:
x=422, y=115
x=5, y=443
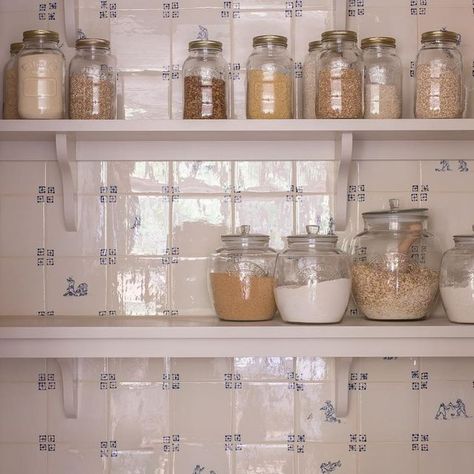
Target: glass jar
x=10, y=83
x=270, y=79
x=241, y=277
x=310, y=66
x=41, y=76
x=340, y=76
x=205, y=73
x=312, y=279
x=439, y=90
x=382, y=78
x=457, y=280
x=395, y=265
x=93, y=81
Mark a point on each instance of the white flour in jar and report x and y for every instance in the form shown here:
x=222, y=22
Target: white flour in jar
x=323, y=302
x=458, y=303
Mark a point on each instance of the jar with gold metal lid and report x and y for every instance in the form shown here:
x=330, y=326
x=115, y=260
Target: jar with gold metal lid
x=310, y=89
x=10, y=83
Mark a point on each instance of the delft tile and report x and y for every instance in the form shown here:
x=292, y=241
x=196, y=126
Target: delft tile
x=137, y=286
x=447, y=457
x=140, y=177
x=449, y=368
x=396, y=404
x=76, y=286
x=21, y=220
x=18, y=177
x=317, y=419
x=308, y=27
x=255, y=407
x=22, y=411
x=90, y=235
x=212, y=401
x=263, y=176
x=267, y=215
x=264, y=368
x=388, y=369
x=90, y=427
x=198, y=223
x=201, y=369
x=137, y=369
x=269, y=458
x=138, y=414
x=202, y=458
x=315, y=176
x=21, y=370
x=314, y=369
x=448, y=176
x=321, y=458
x=447, y=410
x=315, y=210
x=152, y=461
x=90, y=22
x=190, y=292
x=16, y=274
x=202, y=176
x=16, y=458
x=70, y=459
x=385, y=176
x=391, y=458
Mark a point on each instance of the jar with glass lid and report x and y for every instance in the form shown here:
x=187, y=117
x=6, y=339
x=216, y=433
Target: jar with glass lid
x=205, y=74
x=10, y=83
x=93, y=81
x=396, y=261
x=439, y=90
x=310, y=67
x=41, y=76
x=241, y=277
x=382, y=78
x=340, y=76
x=457, y=280
x=270, y=79
x=312, y=279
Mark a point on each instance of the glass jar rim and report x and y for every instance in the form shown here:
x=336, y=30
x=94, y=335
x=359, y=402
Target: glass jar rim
x=46, y=35
x=270, y=40
x=441, y=35
x=339, y=35
x=245, y=237
x=205, y=44
x=314, y=45
x=88, y=43
x=15, y=48
x=312, y=237
x=464, y=237
x=374, y=41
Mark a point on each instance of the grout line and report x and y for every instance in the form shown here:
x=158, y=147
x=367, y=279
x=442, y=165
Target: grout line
x=171, y=304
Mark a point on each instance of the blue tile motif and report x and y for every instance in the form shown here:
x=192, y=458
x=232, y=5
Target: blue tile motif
x=329, y=412
x=451, y=410
x=72, y=290
x=327, y=467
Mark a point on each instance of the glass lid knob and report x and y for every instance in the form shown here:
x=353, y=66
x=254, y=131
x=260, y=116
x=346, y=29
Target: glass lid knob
x=312, y=229
x=244, y=229
x=394, y=204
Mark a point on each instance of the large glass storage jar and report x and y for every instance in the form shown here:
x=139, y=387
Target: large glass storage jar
x=382, y=78
x=270, y=79
x=10, y=83
x=312, y=279
x=241, y=277
x=395, y=264
x=457, y=280
x=205, y=73
x=310, y=67
x=41, y=76
x=439, y=76
x=93, y=81
x=340, y=76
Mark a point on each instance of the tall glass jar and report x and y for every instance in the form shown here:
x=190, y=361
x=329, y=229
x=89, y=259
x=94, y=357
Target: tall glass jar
x=93, y=81
x=340, y=76
x=10, y=84
x=395, y=265
x=312, y=279
x=457, y=280
x=205, y=73
x=270, y=79
x=382, y=78
x=439, y=89
x=241, y=277
x=41, y=76
x=310, y=66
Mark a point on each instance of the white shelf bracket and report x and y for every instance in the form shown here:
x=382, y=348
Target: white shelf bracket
x=344, y=143
x=70, y=22
x=341, y=395
x=66, y=156
x=69, y=376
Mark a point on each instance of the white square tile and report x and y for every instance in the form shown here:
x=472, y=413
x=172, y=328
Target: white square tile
x=89, y=369
x=202, y=176
x=315, y=176
x=17, y=177
x=21, y=370
x=385, y=176
x=91, y=24
x=267, y=458
x=390, y=369
x=16, y=458
x=389, y=458
x=308, y=27
x=137, y=369
x=440, y=179
x=140, y=177
x=264, y=368
x=448, y=368
x=263, y=176
x=201, y=369
x=202, y=458
x=315, y=210
x=72, y=460
x=152, y=461
x=328, y=456
x=447, y=457
x=314, y=369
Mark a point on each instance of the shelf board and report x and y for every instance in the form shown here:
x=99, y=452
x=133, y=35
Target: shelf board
x=208, y=337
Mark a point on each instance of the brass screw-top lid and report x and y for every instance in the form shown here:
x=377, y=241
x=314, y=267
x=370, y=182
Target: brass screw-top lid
x=441, y=35
x=378, y=41
x=339, y=35
x=98, y=43
x=275, y=40
x=47, y=35
x=313, y=45
x=205, y=44
x=15, y=48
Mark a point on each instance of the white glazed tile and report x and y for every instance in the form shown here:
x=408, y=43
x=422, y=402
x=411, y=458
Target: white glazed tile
x=263, y=176
x=392, y=458
x=448, y=179
x=139, y=177
x=268, y=458
x=138, y=414
x=239, y=92
x=385, y=176
x=209, y=457
x=202, y=176
x=201, y=369
x=91, y=176
x=389, y=369
x=211, y=401
x=314, y=369
x=137, y=369
x=16, y=458
x=315, y=176
x=90, y=369
x=447, y=457
x=264, y=368
x=70, y=459
x=17, y=177
x=91, y=24
x=308, y=27
x=84, y=294
x=198, y=223
x=315, y=210
x=21, y=370
x=449, y=368
x=334, y=456
x=255, y=407
x=140, y=461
